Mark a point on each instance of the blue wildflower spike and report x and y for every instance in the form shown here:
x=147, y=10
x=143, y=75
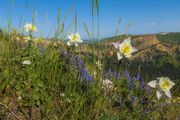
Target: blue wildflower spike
x=85, y=76
x=83, y=73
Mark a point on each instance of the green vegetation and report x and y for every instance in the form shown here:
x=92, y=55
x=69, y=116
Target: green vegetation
x=55, y=85
x=169, y=37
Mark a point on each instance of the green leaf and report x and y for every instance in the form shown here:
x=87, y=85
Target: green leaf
x=40, y=84
x=38, y=103
x=75, y=22
x=86, y=29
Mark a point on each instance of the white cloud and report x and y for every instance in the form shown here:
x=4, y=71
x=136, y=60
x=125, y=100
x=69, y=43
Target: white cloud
x=172, y=22
x=151, y=24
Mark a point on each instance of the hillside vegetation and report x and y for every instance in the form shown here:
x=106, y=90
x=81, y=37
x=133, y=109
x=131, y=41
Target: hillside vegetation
x=169, y=38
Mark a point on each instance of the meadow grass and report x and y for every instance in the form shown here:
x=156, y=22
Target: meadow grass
x=66, y=83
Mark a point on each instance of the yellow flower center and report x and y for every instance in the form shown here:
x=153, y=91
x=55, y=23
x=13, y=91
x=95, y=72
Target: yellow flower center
x=165, y=85
x=74, y=38
x=33, y=28
x=126, y=49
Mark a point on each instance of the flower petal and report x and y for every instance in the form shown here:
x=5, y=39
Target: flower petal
x=128, y=55
x=68, y=43
x=168, y=93
x=115, y=44
x=69, y=37
x=77, y=35
x=159, y=95
x=134, y=49
x=26, y=62
x=127, y=41
x=76, y=44
x=152, y=83
x=80, y=41
x=119, y=56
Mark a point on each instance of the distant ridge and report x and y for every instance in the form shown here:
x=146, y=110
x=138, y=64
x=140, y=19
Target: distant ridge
x=166, y=37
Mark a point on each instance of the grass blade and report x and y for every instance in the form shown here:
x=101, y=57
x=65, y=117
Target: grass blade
x=75, y=22
x=97, y=7
x=86, y=29
x=92, y=7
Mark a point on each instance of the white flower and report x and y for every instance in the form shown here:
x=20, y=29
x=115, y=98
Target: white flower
x=30, y=28
x=26, y=62
x=164, y=85
x=98, y=63
x=125, y=49
x=107, y=84
x=19, y=98
x=62, y=94
x=74, y=39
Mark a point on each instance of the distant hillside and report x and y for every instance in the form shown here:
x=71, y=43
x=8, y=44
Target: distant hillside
x=151, y=45
x=169, y=37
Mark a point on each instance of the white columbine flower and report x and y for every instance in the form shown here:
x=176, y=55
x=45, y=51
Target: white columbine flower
x=125, y=49
x=26, y=62
x=163, y=85
x=30, y=28
x=107, y=84
x=74, y=39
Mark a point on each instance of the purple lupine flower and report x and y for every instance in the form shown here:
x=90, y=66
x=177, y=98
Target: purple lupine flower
x=85, y=76
x=128, y=77
x=130, y=84
x=115, y=73
x=79, y=63
x=137, y=76
x=89, y=79
x=83, y=73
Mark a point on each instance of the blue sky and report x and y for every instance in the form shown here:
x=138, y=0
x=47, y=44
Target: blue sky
x=145, y=16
